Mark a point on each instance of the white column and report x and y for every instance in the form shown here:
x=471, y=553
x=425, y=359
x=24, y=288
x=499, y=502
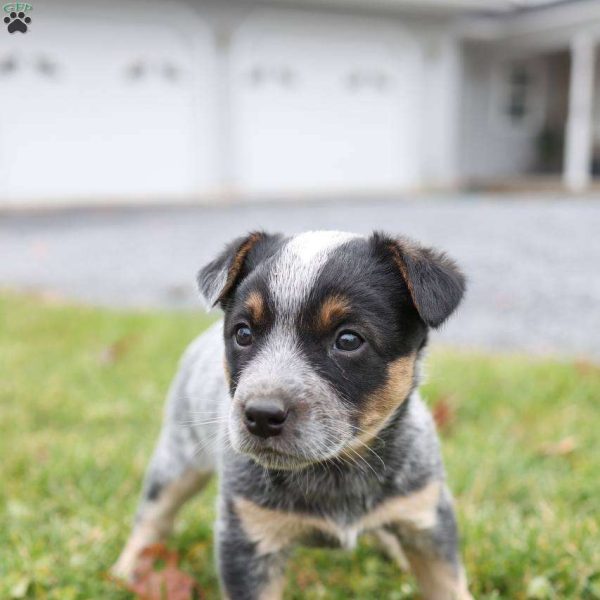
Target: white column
x=224, y=109
x=578, y=146
x=450, y=92
x=442, y=73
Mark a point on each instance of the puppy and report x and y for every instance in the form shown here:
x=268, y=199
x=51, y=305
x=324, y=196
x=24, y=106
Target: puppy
x=314, y=424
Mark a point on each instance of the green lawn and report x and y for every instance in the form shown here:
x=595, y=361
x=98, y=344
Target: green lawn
x=81, y=394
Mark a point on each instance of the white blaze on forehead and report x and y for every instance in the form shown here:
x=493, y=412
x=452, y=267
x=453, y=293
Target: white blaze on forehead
x=298, y=265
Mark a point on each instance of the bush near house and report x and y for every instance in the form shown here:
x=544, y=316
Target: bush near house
x=81, y=394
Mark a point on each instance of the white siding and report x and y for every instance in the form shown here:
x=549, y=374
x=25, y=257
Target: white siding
x=227, y=97
x=77, y=123
x=325, y=102
x=490, y=147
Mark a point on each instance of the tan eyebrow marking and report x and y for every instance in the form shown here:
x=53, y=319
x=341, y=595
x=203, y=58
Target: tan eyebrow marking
x=256, y=306
x=333, y=308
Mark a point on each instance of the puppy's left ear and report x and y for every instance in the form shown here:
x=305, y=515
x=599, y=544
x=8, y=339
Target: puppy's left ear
x=219, y=278
x=435, y=283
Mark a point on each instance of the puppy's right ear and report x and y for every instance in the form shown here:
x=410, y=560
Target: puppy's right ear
x=435, y=283
x=219, y=278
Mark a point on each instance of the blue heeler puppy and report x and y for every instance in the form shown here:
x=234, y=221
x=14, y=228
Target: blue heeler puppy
x=304, y=400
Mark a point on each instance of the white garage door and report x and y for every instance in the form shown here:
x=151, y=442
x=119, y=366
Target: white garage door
x=324, y=104
x=98, y=109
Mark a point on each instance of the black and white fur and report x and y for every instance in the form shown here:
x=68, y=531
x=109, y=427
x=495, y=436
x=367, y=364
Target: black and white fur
x=357, y=450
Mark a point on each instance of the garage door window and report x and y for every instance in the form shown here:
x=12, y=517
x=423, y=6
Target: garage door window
x=518, y=96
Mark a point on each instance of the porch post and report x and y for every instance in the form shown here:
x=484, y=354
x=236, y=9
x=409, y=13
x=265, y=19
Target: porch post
x=446, y=114
x=223, y=107
x=578, y=146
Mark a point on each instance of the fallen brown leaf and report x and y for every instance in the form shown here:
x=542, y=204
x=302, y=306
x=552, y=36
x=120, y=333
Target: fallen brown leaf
x=444, y=414
x=113, y=352
x=562, y=448
x=585, y=367
x=153, y=581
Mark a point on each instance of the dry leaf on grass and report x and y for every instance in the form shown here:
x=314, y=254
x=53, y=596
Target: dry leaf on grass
x=562, y=448
x=162, y=582
x=113, y=352
x=443, y=414
x=586, y=367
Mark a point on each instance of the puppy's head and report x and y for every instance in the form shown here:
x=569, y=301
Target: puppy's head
x=322, y=331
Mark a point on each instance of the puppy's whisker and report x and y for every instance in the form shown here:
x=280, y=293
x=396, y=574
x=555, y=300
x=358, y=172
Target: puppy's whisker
x=365, y=462
x=209, y=443
x=367, y=447
x=199, y=423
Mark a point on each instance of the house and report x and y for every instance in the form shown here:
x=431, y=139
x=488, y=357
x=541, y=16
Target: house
x=180, y=99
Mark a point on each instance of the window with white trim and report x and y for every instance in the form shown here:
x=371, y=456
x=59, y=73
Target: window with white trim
x=519, y=100
x=519, y=91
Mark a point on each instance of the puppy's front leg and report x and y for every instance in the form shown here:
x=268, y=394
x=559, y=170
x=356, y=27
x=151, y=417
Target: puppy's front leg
x=169, y=483
x=434, y=557
x=251, y=567
x=438, y=579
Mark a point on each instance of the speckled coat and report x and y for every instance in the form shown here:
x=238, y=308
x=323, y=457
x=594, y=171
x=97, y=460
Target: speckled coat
x=325, y=330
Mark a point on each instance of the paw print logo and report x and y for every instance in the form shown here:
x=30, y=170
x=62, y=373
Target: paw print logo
x=17, y=22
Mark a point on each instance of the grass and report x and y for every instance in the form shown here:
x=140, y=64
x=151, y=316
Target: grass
x=81, y=393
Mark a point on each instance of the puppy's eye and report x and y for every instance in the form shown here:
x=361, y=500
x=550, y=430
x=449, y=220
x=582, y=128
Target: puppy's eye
x=348, y=341
x=243, y=335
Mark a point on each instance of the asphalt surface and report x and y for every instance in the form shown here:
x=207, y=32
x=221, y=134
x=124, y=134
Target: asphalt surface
x=533, y=265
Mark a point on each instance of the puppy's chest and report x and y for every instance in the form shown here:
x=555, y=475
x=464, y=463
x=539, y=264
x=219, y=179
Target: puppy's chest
x=274, y=528
x=329, y=533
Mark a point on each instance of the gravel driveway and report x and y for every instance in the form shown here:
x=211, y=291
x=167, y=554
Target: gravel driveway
x=533, y=265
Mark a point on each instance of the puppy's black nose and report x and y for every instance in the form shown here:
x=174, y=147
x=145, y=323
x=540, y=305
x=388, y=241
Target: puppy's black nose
x=264, y=419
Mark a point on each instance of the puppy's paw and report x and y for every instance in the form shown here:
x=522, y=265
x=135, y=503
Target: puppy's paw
x=125, y=568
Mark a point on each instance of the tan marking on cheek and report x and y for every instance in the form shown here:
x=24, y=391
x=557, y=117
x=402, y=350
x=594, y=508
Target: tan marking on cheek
x=332, y=310
x=383, y=402
x=255, y=305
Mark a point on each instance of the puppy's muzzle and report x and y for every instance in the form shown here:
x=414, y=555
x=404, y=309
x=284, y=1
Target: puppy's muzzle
x=265, y=418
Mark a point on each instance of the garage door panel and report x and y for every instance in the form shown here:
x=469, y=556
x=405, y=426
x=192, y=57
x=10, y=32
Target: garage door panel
x=324, y=106
x=111, y=118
